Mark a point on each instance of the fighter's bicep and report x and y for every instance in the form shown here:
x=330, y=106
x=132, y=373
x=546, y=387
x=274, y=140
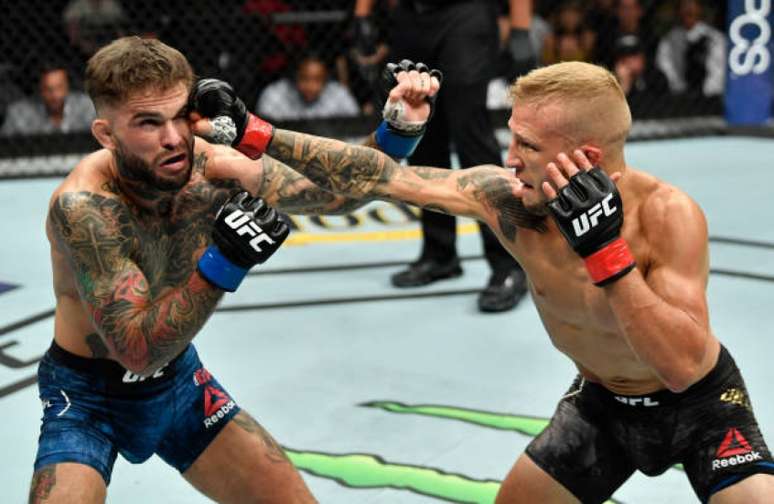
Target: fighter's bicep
x=679, y=265
x=681, y=290
x=95, y=234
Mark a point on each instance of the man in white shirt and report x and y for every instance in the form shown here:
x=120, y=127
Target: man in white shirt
x=691, y=51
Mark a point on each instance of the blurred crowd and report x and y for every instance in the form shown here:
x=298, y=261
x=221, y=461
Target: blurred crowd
x=303, y=59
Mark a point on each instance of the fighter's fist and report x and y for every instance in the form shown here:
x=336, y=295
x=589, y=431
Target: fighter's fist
x=222, y=117
x=409, y=91
x=247, y=232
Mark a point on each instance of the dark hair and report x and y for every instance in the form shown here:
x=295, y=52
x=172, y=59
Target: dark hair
x=131, y=64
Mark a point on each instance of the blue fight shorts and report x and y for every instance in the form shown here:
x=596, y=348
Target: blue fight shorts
x=94, y=409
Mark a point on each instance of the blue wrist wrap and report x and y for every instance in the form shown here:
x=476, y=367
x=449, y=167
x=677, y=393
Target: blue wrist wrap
x=393, y=143
x=219, y=271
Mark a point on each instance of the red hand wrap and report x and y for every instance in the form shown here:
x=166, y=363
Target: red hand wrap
x=610, y=263
x=258, y=134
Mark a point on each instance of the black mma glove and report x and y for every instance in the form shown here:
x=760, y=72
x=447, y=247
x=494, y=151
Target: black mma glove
x=521, y=55
x=231, y=122
x=589, y=213
x=365, y=35
x=395, y=135
x=247, y=232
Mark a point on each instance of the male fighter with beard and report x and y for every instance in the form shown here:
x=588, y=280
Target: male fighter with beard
x=618, y=274
x=146, y=234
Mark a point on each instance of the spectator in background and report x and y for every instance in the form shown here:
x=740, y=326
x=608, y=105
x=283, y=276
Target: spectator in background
x=598, y=24
x=56, y=109
x=692, y=54
x=566, y=43
x=627, y=21
x=90, y=24
x=642, y=83
x=290, y=37
x=9, y=91
x=311, y=95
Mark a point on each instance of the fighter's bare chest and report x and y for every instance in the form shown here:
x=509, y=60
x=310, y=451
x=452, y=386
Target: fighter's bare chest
x=166, y=246
x=562, y=290
x=560, y=284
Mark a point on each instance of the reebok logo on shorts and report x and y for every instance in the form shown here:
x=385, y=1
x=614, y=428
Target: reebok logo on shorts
x=734, y=450
x=217, y=404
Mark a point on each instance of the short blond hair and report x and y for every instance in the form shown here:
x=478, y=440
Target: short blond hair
x=133, y=64
x=594, y=107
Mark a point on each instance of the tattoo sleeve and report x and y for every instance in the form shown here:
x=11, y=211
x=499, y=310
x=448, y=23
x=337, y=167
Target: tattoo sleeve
x=293, y=193
x=143, y=324
x=485, y=193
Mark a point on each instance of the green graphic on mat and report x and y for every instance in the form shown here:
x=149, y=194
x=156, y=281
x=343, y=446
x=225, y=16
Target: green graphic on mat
x=357, y=470
x=529, y=426
x=371, y=471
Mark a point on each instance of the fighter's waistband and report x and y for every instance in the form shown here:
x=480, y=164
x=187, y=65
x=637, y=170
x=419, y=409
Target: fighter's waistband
x=666, y=397
x=110, y=370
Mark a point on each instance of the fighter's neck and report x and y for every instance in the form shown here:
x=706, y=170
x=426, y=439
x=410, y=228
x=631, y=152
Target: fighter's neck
x=146, y=199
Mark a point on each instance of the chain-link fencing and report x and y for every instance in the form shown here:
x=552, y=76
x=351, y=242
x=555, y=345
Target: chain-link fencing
x=300, y=63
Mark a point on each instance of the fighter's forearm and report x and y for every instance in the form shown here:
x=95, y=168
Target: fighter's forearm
x=145, y=333
x=668, y=339
x=352, y=170
x=290, y=192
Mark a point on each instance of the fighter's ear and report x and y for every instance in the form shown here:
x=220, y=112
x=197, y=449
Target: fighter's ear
x=102, y=131
x=593, y=153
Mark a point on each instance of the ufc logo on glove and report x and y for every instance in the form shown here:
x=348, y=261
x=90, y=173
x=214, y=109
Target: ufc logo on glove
x=243, y=225
x=589, y=213
x=590, y=219
x=226, y=262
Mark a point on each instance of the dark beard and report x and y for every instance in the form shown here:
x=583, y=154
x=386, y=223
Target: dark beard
x=142, y=178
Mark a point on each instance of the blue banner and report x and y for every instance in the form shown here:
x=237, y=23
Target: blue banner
x=750, y=76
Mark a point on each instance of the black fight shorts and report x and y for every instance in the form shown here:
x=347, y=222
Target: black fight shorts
x=597, y=439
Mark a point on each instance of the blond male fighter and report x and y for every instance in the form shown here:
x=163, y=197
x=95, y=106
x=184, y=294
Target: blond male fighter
x=617, y=262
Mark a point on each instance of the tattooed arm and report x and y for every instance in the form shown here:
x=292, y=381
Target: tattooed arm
x=293, y=193
x=486, y=193
x=277, y=183
x=143, y=330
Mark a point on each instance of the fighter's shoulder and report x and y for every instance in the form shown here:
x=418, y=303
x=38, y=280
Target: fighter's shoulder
x=668, y=211
x=90, y=179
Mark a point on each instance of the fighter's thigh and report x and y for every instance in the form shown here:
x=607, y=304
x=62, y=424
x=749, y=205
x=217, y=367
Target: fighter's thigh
x=756, y=489
x=65, y=483
x=526, y=482
x=245, y=464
